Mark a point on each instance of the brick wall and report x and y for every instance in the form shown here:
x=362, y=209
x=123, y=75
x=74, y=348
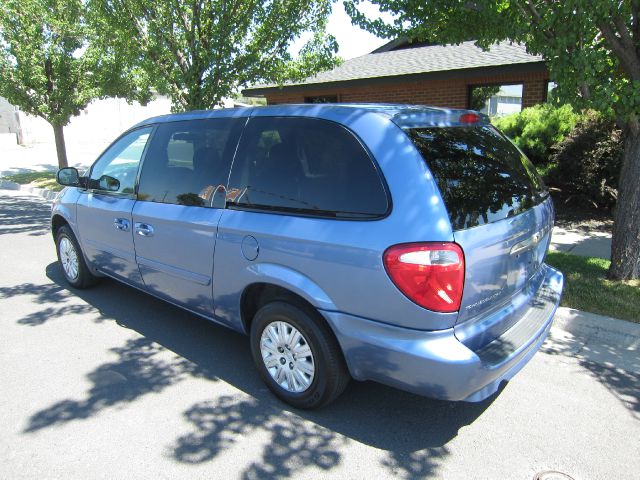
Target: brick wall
x=453, y=93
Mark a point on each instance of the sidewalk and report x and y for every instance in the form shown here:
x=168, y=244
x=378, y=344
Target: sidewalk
x=605, y=340
x=579, y=242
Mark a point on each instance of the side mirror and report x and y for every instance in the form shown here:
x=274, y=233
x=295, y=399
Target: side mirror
x=69, y=177
x=105, y=182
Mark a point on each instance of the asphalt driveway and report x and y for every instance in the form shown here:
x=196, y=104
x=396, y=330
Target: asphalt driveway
x=112, y=383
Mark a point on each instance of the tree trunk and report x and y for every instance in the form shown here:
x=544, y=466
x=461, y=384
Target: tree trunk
x=61, y=149
x=625, y=245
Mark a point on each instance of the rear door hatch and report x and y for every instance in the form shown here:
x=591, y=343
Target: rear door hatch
x=501, y=215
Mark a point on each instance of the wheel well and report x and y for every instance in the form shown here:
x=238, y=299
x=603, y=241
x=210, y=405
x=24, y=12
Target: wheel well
x=259, y=294
x=56, y=222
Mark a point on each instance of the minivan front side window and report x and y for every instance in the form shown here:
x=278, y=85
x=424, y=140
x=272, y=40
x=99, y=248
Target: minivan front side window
x=187, y=161
x=121, y=162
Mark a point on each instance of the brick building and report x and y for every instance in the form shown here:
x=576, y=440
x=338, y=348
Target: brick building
x=401, y=72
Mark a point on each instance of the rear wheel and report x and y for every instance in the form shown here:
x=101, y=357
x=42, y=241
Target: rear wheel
x=71, y=260
x=297, y=356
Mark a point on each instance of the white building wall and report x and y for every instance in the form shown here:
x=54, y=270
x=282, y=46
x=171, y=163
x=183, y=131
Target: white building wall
x=7, y=117
x=100, y=122
x=87, y=135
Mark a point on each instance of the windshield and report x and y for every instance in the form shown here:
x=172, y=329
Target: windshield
x=481, y=175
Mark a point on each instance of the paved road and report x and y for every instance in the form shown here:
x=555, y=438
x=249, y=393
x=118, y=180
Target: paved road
x=111, y=383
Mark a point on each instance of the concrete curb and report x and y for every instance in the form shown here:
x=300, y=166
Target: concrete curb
x=590, y=325
x=40, y=192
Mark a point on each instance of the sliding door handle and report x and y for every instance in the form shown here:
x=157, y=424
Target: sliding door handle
x=144, y=229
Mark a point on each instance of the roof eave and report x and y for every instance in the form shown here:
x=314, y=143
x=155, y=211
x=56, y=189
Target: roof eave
x=525, y=67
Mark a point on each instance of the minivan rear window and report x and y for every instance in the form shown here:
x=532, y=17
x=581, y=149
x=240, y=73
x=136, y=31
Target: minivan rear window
x=481, y=175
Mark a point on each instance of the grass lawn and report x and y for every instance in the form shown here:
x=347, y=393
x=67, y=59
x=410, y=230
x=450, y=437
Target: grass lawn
x=36, y=179
x=586, y=287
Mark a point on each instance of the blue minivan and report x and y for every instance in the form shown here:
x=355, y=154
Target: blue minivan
x=395, y=243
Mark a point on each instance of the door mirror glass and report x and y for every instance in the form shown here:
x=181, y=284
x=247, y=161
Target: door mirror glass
x=108, y=183
x=69, y=177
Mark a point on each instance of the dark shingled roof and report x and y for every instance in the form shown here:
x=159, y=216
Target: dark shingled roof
x=419, y=60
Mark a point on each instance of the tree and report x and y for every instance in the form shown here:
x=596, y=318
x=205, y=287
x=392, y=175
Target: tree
x=592, y=49
x=49, y=68
x=201, y=51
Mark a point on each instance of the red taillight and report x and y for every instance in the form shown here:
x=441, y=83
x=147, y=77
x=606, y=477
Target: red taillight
x=430, y=274
x=469, y=118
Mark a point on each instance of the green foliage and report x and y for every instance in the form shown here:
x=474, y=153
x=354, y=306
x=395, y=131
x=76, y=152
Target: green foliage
x=586, y=287
x=42, y=68
x=536, y=129
x=587, y=162
x=202, y=51
x=48, y=67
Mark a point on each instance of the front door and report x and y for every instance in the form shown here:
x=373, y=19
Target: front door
x=175, y=220
x=104, y=211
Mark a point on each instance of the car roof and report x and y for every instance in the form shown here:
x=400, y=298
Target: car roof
x=405, y=116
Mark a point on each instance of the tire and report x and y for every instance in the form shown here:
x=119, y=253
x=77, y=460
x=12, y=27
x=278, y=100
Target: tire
x=71, y=259
x=297, y=386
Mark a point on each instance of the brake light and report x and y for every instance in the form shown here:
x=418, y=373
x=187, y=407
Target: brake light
x=429, y=274
x=469, y=118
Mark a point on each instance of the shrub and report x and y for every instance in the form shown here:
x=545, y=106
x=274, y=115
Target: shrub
x=536, y=129
x=587, y=162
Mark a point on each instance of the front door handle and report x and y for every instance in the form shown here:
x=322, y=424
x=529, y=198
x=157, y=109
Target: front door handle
x=144, y=229
x=121, y=224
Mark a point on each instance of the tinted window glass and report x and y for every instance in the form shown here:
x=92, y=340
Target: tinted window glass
x=482, y=176
x=121, y=161
x=187, y=161
x=306, y=166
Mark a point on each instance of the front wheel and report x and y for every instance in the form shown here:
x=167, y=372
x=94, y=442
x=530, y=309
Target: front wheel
x=71, y=260
x=297, y=356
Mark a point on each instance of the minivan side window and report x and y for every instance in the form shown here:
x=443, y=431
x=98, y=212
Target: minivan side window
x=305, y=166
x=121, y=161
x=187, y=161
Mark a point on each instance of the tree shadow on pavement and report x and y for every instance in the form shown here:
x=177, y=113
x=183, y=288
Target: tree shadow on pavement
x=50, y=294
x=139, y=369
x=22, y=214
x=294, y=443
x=609, y=362
x=412, y=431
x=623, y=384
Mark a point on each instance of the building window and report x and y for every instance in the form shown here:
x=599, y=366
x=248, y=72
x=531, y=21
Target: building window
x=322, y=99
x=551, y=94
x=496, y=100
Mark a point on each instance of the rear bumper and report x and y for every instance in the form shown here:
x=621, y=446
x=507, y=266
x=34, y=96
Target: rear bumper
x=435, y=363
